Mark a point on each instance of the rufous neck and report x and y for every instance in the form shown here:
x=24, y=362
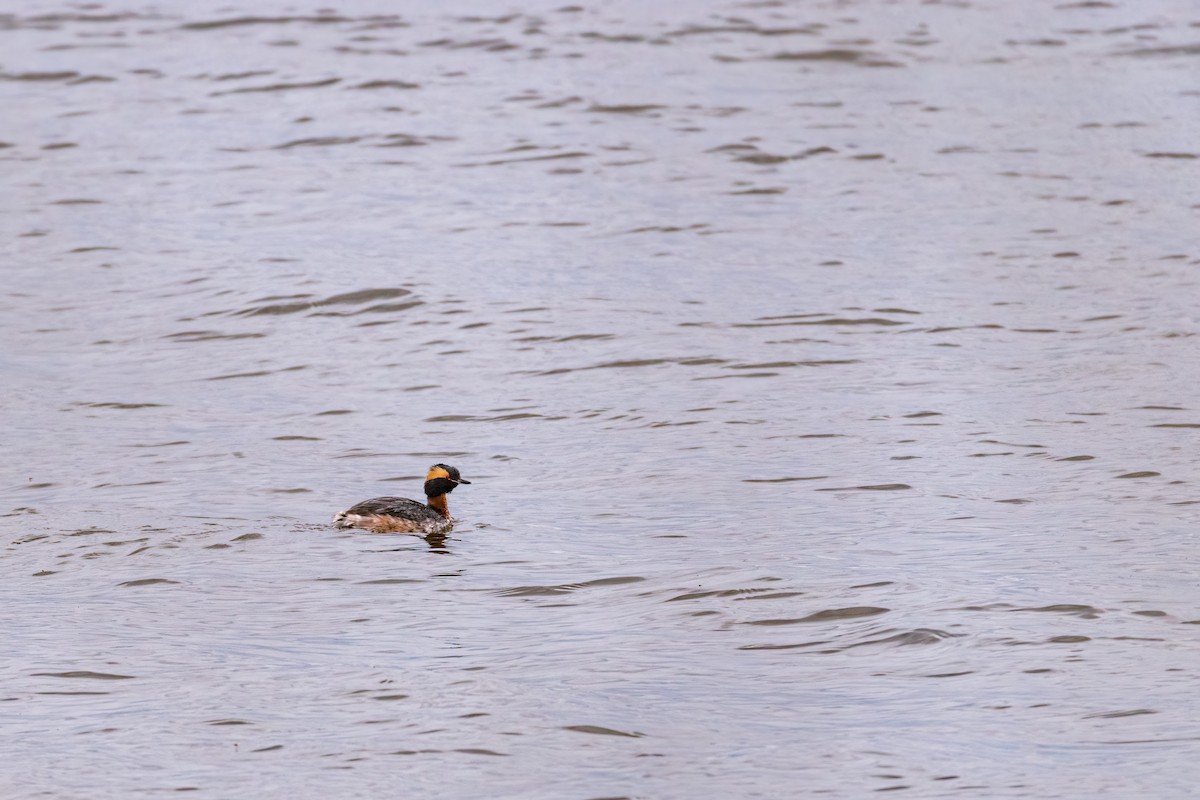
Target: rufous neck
x=438, y=504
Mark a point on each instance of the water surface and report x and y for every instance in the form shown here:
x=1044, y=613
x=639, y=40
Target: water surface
x=824, y=370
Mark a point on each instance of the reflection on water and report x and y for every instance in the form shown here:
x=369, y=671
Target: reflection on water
x=826, y=368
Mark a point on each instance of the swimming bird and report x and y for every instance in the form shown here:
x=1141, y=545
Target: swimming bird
x=401, y=515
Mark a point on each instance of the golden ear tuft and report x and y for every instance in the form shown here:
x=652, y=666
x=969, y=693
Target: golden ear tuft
x=436, y=472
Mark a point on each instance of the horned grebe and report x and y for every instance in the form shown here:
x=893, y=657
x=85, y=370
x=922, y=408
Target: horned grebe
x=401, y=515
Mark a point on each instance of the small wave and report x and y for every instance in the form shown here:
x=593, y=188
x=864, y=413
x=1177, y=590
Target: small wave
x=827, y=615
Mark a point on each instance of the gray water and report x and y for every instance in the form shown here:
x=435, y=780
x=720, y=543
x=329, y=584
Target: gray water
x=825, y=372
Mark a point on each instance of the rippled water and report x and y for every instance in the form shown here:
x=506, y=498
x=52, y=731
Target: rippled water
x=825, y=372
